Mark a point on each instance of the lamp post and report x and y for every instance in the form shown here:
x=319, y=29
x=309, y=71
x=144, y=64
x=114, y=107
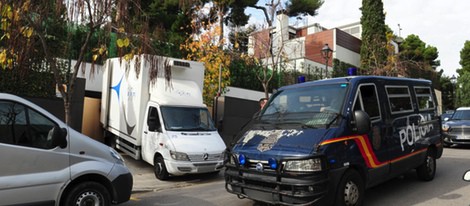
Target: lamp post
x=326, y=54
x=453, y=80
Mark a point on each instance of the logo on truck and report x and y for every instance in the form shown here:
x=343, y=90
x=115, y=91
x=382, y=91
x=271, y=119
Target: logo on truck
x=412, y=132
x=270, y=138
x=130, y=93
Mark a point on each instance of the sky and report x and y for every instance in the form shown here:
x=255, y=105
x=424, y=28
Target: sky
x=442, y=24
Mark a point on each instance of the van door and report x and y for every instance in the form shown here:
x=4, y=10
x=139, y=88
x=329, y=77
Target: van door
x=31, y=162
x=406, y=124
x=367, y=99
x=152, y=132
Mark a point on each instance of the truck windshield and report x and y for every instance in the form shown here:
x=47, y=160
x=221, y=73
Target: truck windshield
x=187, y=119
x=315, y=106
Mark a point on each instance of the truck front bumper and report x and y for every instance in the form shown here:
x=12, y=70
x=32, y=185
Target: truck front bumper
x=314, y=189
x=178, y=168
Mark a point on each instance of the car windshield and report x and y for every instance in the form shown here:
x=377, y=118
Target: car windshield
x=315, y=106
x=187, y=119
x=461, y=115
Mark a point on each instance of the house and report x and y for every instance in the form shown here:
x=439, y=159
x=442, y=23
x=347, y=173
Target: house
x=300, y=48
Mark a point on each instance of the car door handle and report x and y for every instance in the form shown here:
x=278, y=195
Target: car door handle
x=145, y=132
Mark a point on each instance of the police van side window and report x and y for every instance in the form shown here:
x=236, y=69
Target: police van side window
x=424, y=98
x=367, y=100
x=25, y=127
x=399, y=98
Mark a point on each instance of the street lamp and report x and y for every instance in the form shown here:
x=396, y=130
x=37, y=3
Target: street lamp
x=453, y=80
x=326, y=54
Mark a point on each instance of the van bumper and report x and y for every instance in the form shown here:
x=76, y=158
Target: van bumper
x=178, y=168
x=122, y=188
x=456, y=139
x=315, y=189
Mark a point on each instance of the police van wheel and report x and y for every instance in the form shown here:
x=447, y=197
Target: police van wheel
x=427, y=170
x=351, y=189
x=160, y=169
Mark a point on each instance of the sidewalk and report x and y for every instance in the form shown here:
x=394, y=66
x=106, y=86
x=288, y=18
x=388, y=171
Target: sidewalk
x=144, y=178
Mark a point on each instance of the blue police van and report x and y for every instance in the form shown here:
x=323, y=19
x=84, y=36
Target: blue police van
x=324, y=142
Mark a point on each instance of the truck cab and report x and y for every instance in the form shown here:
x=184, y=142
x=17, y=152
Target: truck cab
x=163, y=120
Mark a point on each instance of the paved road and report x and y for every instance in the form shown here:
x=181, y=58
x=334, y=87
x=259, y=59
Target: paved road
x=447, y=188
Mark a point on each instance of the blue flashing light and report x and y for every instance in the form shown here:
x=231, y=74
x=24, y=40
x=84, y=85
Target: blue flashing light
x=272, y=163
x=242, y=159
x=343, y=85
x=352, y=71
x=332, y=161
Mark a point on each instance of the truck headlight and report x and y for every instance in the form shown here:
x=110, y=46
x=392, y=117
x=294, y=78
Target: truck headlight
x=308, y=165
x=445, y=128
x=179, y=156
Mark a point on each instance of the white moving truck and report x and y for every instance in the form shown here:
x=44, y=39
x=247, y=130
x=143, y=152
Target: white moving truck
x=165, y=123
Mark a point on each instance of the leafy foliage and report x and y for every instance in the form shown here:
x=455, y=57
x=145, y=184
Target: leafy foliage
x=448, y=97
x=32, y=84
x=78, y=29
x=208, y=49
x=414, y=49
x=303, y=7
x=169, y=22
x=373, y=48
x=465, y=58
x=340, y=69
x=463, y=90
x=244, y=71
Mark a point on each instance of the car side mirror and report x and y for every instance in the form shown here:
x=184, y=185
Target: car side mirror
x=361, y=121
x=466, y=176
x=59, y=137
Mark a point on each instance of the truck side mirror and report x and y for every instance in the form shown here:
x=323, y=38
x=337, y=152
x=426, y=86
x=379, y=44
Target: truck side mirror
x=361, y=122
x=59, y=137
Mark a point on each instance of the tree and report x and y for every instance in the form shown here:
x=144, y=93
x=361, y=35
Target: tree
x=207, y=48
x=463, y=90
x=418, y=60
x=44, y=23
x=244, y=72
x=464, y=59
x=340, y=69
x=169, y=22
x=374, y=40
x=272, y=58
x=447, y=93
x=414, y=49
x=238, y=38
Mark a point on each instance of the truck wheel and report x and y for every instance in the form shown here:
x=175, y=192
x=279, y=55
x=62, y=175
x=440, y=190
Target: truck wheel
x=88, y=193
x=350, y=189
x=160, y=169
x=427, y=170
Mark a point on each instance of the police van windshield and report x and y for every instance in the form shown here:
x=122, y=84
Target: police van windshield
x=314, y=106
x=187, y=119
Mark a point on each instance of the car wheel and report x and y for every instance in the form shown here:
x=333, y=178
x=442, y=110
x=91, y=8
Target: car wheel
x=88, y=193
x=160, y=169
x=427, y=170
x=351, y=189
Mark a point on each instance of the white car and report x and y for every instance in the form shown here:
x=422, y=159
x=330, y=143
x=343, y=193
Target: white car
x=45, y=162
